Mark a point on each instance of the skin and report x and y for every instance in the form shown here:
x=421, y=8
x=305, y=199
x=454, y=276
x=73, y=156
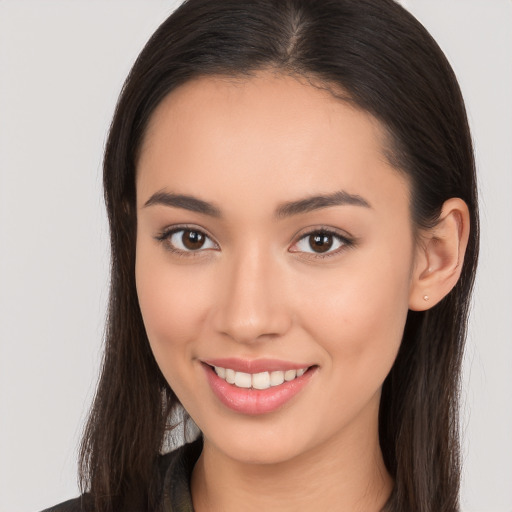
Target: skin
x=257, y=289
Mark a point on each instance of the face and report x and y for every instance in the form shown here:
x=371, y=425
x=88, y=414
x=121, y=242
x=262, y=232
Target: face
x=274, y=261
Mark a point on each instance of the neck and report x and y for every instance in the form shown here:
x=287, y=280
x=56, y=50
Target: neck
x=343, y=474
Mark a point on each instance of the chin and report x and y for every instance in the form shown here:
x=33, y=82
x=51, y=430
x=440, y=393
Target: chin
x=261, y=452
x=268, y=442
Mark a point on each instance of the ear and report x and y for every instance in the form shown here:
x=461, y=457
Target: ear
x=439, y=256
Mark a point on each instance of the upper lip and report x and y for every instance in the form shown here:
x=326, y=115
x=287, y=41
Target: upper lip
x=255, y=365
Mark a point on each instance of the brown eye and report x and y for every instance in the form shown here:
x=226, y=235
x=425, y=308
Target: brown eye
x=320, y=242
x=186, y=240
x=192, y=240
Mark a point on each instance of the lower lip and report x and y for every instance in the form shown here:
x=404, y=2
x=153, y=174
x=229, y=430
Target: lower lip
x=255, y=401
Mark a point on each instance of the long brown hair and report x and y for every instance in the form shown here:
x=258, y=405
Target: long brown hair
x=391, y=67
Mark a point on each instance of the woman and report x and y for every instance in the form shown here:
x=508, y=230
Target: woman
x=291, y=193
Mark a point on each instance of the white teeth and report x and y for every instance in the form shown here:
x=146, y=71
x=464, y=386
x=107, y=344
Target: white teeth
x=230, y=376
x=262, y=380
x=290, y=375
x=276, y=378
x=243, y=380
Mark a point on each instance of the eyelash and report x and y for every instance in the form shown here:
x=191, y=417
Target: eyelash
x=345, y=242
x=165, y=238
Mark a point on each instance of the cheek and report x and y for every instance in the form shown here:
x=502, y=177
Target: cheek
x=171, y=306
x=358, y=317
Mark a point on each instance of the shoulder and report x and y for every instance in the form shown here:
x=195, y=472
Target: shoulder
x=174, y=472
x=79, y=504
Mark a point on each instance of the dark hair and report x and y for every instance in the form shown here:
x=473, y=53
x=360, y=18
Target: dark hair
x=389, y=66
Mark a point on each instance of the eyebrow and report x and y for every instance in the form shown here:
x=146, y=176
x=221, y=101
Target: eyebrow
x=184, y=201
x=312, y=203
x=287, y=209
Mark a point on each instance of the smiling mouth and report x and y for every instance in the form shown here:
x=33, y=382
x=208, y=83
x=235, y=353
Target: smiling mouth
x=265, y=389
x=261, y=380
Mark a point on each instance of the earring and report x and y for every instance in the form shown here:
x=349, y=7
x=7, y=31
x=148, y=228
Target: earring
x=426, y=297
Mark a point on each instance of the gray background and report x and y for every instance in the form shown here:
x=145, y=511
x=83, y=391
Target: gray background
x=61, y=68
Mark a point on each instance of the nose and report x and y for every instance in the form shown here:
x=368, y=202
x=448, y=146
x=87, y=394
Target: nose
x=252, y=301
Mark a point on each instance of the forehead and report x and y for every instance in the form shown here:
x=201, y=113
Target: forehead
x=262, y=135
